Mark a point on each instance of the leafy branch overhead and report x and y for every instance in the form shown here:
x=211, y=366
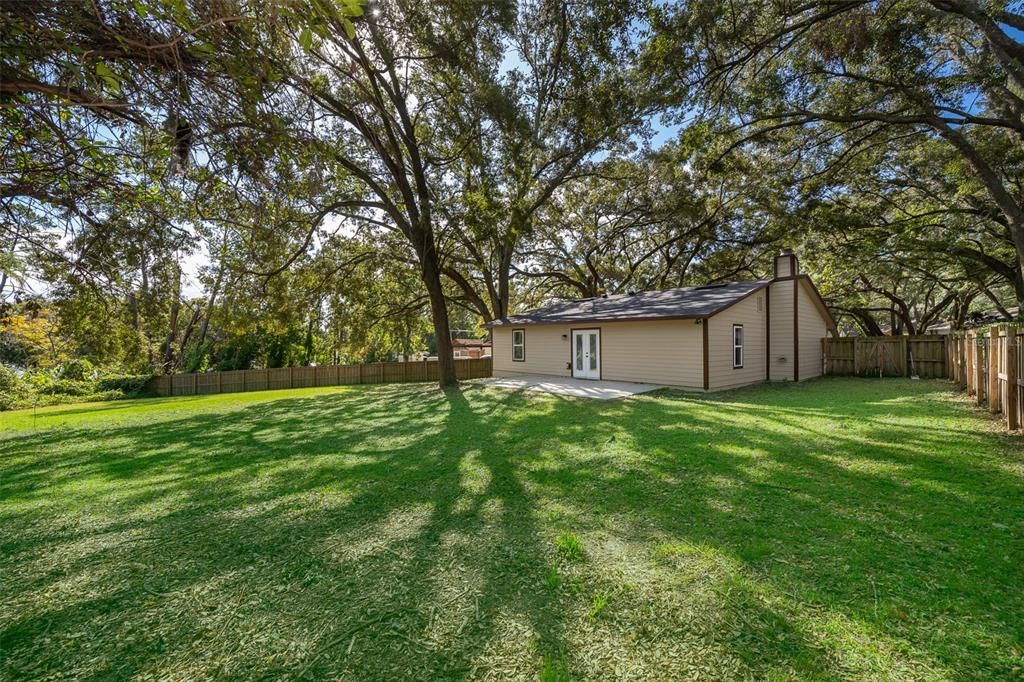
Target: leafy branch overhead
x=188, y=183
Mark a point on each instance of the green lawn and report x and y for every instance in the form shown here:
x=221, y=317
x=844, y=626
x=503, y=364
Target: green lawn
x=840, y=529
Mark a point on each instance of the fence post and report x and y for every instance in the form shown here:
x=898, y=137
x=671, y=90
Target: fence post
x=969, y=364
x=965, y=367
x=993, y=370
x=361, y=365
x=946, y=368
x=291, y=377
x=195, y=383
x=1010, y=406
x=951, y=356
x=903, y=355
x=979, y=397
x=855, y=344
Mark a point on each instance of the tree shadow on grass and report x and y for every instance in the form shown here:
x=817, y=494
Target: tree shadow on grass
x=370, y=535
x=900, y=531
x=400, y=531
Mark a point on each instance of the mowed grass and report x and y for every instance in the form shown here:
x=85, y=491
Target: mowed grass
x=839, y=529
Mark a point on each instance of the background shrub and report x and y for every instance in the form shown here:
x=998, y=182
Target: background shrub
x=45, y=388
x=128, y=385
x=78, y=369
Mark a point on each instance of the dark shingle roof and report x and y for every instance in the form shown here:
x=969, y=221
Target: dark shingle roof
x=471, y=343
x=688, y=302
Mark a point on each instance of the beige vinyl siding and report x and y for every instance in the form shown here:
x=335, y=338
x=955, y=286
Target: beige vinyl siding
x=546, y=351
x=721, y=374
x=812, y=329
x=781, y=330
x=665, y=352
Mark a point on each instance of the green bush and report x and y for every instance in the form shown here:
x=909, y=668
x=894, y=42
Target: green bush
x=68, y=387
x=78, y=369
x=9, y=381
x=13, y=389
x=41, y=388
x=128, y=385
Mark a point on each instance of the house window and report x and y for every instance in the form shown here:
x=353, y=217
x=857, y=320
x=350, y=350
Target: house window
x=737, y=346
x=518, y=345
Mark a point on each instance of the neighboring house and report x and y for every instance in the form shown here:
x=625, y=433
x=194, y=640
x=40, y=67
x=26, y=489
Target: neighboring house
x=702, y=338
x=470, y=348
x=975, y=319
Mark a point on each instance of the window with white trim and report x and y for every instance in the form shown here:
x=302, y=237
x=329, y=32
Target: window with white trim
x=737, y=346
x=518, y=345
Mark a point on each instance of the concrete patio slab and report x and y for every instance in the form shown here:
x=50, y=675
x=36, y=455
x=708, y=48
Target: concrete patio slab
x=577, y=388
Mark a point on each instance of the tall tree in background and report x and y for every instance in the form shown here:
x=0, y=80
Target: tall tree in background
x=566, y=88
x=850, y=75
x=668, y=219
x=379, y=88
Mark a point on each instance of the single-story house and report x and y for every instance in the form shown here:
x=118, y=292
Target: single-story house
x=470, y=348
x=704, y=338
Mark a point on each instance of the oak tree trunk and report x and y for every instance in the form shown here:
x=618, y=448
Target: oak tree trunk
x=431, y=276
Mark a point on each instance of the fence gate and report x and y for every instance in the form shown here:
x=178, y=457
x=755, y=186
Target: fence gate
x=886, y=356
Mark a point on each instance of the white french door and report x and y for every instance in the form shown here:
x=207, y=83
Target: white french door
x=586, y=353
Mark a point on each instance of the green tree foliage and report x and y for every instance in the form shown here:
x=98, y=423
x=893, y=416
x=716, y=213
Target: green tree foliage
x=824, y=83
x=251, y=183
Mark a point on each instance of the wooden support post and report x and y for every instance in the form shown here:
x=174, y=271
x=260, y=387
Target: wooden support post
x=291, y=377
x=855, y=368
x=195, y=383
x=951, y=357
x=220, y=382
x=903, y=355
x=993, y=370
x=969, y=364
x=979, y=383
x=1010, y=407
x=962, y=372
x=945, y=357
x=361, y=365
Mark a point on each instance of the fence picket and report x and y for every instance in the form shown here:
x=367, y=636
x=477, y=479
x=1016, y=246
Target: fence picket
x=989, y=367
x=923, y=355
x=293, y=377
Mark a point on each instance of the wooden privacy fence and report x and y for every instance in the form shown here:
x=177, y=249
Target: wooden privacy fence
x=888, y=356
x=989, y=365
x=298, y=377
